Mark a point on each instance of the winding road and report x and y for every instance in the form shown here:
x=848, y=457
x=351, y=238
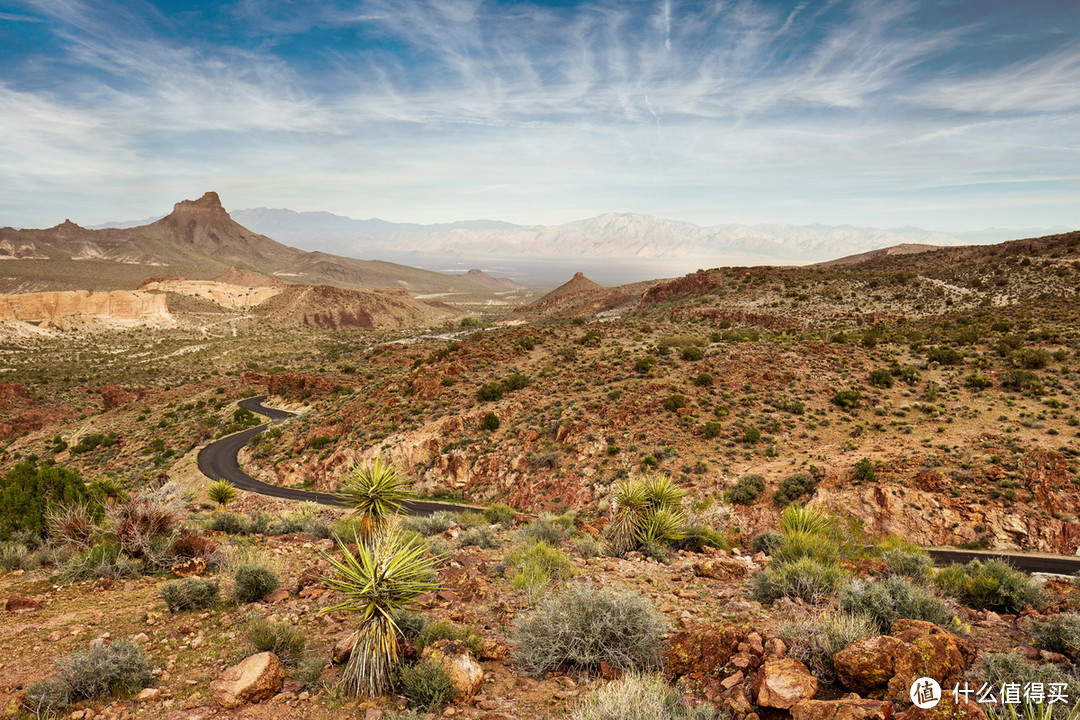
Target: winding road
x=218, y=461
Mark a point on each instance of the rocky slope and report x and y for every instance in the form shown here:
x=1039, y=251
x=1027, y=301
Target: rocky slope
x=118, y=307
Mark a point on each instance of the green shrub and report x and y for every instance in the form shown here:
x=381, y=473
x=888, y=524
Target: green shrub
x=500, y=514
x=816, y=639
x=711, y=429
x=104, y=560
x=114, y=668
x=588, y=547
x=29, y=490
x=581, y=627
x=990, y=585
x=1030, y=358
x=490, y=392
x=644, y=364
x=1057, y=633
x=634, y=697
x=47, y=698
x=913, y=562
x=804, y=578
x=516, y=381
x=490, y=422
x=436, y=630
x=746, y=490
x=794, y=488
x=542, y=531
x=428, y=525
x=552, y=561
x=287, y=642
x=766, y=541
x=822, y=547
x=480, y=537
x=254, y=582
x=751, y=436
x=1021, y=381
x=692, y=353
x=674, y=402
x=977, y=381
x=189, y=594
x=227, y=522
x=698, y=537
x=426, y=685
x=847, y=399
x=703, y=379
x=890, y=598
x=864, y=470
x=881, y=377
x=944, y=355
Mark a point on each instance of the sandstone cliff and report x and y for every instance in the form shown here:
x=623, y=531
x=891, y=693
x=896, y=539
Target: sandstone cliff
x=118, y=307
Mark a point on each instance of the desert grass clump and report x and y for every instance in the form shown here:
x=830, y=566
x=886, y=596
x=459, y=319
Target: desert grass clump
x=106, y=559
x=118, y=667
x=142, y=525
x=645, y=510
x=543, y=531
x=427, y=686
x=640, y=696
x=435, y=630
x=913, y=562
x=74, y=525
x=287, y=642
x=814, y=640
x=385, y=576
x=990, y=585
x=428, y=525
x=253, y=582
x=189, y=594
x=481, y=537
x=500, y=514
x=229, y=523
x=805, y=578
x=1058, y=633
x=376, y=491
x=581, y=627
x=536, y=567
x=888, y=599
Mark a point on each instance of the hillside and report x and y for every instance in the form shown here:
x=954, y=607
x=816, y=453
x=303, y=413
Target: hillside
x=197, y=240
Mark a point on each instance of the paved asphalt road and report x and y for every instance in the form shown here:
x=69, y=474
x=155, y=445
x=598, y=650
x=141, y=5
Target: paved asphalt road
x=217, y=461
x=1028, y=562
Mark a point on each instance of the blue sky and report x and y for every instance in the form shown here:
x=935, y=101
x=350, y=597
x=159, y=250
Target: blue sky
x=950, y=115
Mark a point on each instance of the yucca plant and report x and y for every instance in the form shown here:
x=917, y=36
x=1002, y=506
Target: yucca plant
x=645, y=510
x=221, y=493
x=376, y=491
x=804, y=519
x=384, y=577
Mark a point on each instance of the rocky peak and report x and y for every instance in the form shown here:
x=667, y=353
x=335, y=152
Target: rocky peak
x=209, y=204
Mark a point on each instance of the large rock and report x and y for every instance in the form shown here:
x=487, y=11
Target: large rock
x=465, y=673
x=783, y=682
x=846, y=709
x=255, y=678
x=18, y=603
x=913, y=649
x=704, y=649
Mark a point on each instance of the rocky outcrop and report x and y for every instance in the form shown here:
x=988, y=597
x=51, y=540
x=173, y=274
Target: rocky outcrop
x=234, y=297
x=783, y=682
x=464, y=672
x=254, y=679
x=913, y=649
x=19, y=413
x=123, y=307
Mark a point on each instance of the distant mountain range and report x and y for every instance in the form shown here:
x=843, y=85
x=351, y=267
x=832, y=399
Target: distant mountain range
x=625, y=236
x=198, y=240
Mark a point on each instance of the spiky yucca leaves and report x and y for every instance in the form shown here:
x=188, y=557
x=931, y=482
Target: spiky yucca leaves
x=645, y=510
x=221, y=492
x=376, y=491
x=385, y=576
x=804, y=519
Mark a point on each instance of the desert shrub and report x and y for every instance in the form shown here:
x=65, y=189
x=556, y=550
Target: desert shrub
x=881, y=377
x=468, y=519
x=287, y=642
x=1021, y=381
x=588, y=547
x=188, y=544
x=436, y=630
x=674, y=402
x=490, y=392
x=305, y=521
x=847, y=399
x=644, y=364
x=640, y=696
x=806, y=520
x=692, y=353
x=746, y=490
x=805, y=578
x=227, y=522
x=490, y=422
x=426, y=685
x=646, y=510
x=28, y=490
x=711, y=429
x=703, y=379
x=864, y=470
x=556, y=564
x=1030, y=358
x=428, y=525
x=890, y=598
x=481, y=537
x=189, y=594
x=944, y=355
x=74, y=525
x=977, y=381
x=543, y=531
x=816, y=639
x=1057, y=633
x=103, y=560
x=766, y=541
x=516, y=381
x=991, y=585
x=794, y=488
x=500, y=514
x=698, y=537
x=18, y=556
x=93, y=441
x=911, y=562
x=581, y=627
x=751, y=436
x=801, y=544
x=998, y=668
x=102, y=669
x=254, y=582
x=139, y=522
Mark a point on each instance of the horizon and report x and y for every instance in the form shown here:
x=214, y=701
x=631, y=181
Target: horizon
x=952, y=118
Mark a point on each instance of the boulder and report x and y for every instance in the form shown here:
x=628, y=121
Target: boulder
x=846, y=709
x=704, y=649
x=465, y=673
x=783, y=682
x=18, y=603
x=255, y=678
x=913, y=649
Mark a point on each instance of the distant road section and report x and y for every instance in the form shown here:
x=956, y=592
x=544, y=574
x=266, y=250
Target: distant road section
x=218, y=461
x=1028, y=562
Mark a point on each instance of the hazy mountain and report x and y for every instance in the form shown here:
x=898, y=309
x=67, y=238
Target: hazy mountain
x=199, y=240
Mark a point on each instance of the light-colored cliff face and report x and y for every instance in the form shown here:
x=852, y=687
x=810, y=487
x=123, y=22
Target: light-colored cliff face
x=117, y=307
x=225, y=295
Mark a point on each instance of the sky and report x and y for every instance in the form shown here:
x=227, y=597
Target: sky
x=947, y=115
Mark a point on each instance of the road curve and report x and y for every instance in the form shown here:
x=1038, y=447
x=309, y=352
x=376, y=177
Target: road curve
x=218, y=461
x=1028, y=562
